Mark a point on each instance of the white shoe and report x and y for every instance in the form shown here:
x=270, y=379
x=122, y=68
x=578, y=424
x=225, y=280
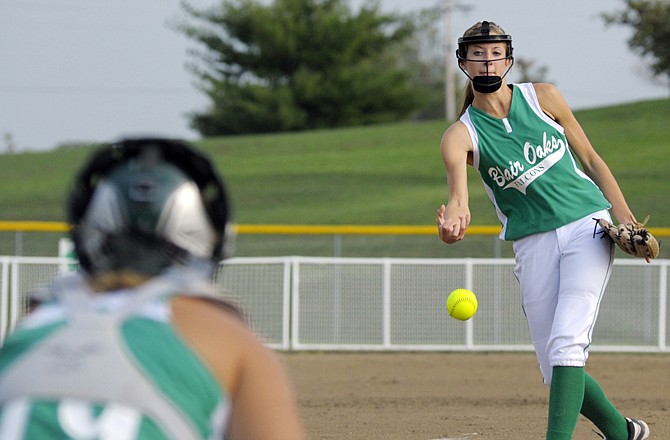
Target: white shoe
x=637, y=429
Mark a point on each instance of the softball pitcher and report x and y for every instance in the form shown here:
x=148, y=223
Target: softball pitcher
x=522, y=138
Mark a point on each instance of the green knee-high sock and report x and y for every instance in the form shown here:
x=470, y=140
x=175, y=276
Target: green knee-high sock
x=565, y=399
x=599, y=410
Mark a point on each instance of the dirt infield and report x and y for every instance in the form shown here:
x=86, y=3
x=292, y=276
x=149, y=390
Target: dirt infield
x=473, y=396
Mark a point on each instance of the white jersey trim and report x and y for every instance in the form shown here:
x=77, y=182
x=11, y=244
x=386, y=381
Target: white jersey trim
x=501, y=217
x=528, y=90
x=465, y=119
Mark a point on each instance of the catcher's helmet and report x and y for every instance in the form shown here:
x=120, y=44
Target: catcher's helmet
x=484, y=83
x=146, y=204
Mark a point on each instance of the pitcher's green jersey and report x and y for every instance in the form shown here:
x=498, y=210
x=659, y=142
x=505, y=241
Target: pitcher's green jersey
x=89, y=375
x=528, y=170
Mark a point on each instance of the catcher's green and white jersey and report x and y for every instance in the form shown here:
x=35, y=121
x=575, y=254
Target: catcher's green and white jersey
x=528, y=169
x=109, y=367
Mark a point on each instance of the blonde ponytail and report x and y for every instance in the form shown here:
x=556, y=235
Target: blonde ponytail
x=468, y=97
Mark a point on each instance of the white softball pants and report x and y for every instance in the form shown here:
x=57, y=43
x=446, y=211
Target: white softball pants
x=563, y=274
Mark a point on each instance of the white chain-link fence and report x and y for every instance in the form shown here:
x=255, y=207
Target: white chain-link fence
x=314, y=303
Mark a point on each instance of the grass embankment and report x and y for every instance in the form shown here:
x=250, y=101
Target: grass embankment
x=382, y=175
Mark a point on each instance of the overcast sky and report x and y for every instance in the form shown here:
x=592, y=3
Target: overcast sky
x=94, y=70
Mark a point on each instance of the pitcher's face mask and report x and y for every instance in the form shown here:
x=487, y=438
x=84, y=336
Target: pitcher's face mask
x=484, y=83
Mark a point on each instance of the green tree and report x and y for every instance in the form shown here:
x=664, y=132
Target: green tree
x=297, y=64
x=650, y=21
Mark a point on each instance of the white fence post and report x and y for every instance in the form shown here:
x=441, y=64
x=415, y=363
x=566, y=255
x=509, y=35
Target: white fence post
x=386, y=301
x=4, y=298
x=469, y=284
x=663, y=307
x=294, y=316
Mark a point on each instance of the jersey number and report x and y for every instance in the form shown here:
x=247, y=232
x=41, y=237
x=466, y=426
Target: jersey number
x=78, y=419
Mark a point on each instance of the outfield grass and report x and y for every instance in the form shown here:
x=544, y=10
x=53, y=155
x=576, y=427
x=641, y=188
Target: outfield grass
x=386, y=174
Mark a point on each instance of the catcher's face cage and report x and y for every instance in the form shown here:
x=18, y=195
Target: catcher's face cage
x=130, y=242
x=484, y=83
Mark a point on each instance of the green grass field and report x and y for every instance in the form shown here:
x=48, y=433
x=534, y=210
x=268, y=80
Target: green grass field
x=386, y=174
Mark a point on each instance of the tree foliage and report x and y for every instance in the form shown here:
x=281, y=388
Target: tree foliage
x=650, y=22
x=528, y=71
x=297, y=64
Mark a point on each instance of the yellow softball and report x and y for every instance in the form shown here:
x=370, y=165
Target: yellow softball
x=462, y=304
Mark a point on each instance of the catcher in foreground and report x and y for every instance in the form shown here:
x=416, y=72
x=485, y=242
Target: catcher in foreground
x=633, y=239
